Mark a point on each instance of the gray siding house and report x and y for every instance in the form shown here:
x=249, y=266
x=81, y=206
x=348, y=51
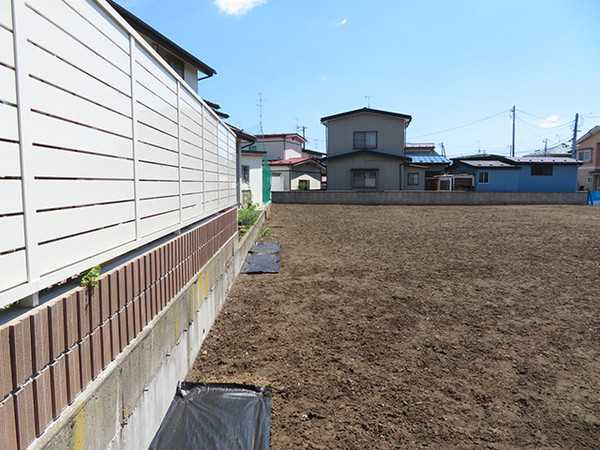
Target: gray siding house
x=366, y=151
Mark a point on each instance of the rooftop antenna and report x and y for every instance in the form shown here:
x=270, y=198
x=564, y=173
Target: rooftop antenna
x=443, y=149
x=478, y=147
x=368, y=97
x=260, y=108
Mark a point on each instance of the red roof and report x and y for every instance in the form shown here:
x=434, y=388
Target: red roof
x=289, y=162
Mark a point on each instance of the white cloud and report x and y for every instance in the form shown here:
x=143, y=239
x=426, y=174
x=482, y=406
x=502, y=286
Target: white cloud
x=238, y=7
x=550, y=122
x=323, y=77
x=343, y=22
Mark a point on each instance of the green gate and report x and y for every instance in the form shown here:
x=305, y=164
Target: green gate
x=266, y=182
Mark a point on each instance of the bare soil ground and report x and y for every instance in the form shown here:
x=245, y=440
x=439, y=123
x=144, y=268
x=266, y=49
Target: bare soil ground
x=403, y=327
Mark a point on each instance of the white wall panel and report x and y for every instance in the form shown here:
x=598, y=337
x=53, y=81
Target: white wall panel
x=11, y=200
x=192, y=200
x=190, y=151
x=155, y=206
x=157, y=223
x=191, y=104
x=191, y=187
x=9, y=127
x=151, y=136
x=50, y=162
x=12, y=234
x=10, y=163
x=8, y=89
x=191, y=162
x=155, y=120
x=149, y=171
x=149, y=152
x=103, y=22
x=66, y=222
x=57, y=254
x=7, y=54
x=191, y=175
x=49, y=37
x=6, y=14
x=56, y=71
x=59, y=103
x=71, y=22
x=59, y=193
x=13, y=269
x=153, y=101
x=191, y=124
x=151, y=189
x=61, y=133
x=191, y=137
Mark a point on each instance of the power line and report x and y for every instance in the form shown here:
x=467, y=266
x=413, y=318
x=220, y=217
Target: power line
x=461, y=126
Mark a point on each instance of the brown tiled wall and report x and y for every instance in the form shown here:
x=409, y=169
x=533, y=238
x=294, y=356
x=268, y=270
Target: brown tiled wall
x=50, y=354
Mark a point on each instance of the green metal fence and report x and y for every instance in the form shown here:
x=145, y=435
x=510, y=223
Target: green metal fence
x=267, y=175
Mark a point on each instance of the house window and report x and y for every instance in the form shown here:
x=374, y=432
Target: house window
x=245, y=174
x=541, y=170
x=584, y=155
x=413, y=178
x=252, y=148
x=590, y=180
x=365, y=139
x=484, y=177
x=364, y=179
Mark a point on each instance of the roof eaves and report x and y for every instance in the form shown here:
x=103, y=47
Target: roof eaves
x=366, y=111
x=367, y=152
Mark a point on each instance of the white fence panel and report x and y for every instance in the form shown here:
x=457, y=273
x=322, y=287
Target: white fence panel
x=107, y=168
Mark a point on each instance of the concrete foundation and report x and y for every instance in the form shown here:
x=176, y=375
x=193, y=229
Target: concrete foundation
x=430, y=198
x=125, y=405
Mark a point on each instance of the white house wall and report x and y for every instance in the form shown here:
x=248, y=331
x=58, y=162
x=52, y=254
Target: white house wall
x=255, y=184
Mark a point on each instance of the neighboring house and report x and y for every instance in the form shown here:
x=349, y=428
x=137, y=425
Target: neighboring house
x=426, y=156
x=281, y=146
x=588, y=151
x=184, y=63
x=560, y=150
x=366, y=151
x=501, y=173
x=312, y=153
x=296, y=174
x=250, y=173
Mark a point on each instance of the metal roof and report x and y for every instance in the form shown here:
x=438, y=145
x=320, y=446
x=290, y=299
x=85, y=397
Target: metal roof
x=544, y=160
x=379, y=112
x=429, y=159
x=486, y=163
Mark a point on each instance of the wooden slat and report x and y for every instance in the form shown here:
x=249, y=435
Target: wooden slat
x=190, y=149
x=71, y=22
x=60, y=133
x=154, y=101
x=67, y=164
x=194, y=200
x=13, y=269
x=191, y=125
x=9, y=128
x=191, y=162
x=191, y=175
x=190, y=137
x=189, y=187
x=59, y=103
x=10, y=163
x=53, y=70
x=59, y=193
x=8, y=89
x=7, y=53
x=58, y=254
x=12, y=234
x=66, y=222
x=191, y=117
x=47, y=36
x=6, y=14
x=190, y=103
x=211, y=187
x=157, y=223
x=156, y=68
x=211, y=176
x=11, y=200
x=155, y=137
x=155, y=120
x=91, y=12
x=148, y=152
x=149, y=171
x=158, y=205
x=150, y=189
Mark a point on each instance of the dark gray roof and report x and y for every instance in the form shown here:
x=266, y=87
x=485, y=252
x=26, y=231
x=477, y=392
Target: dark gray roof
x=366, y=111
x=367, y=152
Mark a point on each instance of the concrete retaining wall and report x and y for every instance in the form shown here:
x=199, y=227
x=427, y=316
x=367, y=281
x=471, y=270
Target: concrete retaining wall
x=124, y=406
x=429, y=198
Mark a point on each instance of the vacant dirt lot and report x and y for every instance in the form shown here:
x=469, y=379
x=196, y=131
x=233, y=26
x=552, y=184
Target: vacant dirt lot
x=401, y=327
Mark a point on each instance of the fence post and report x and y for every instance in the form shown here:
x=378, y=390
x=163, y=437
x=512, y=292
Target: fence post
x=179, y=149
x=26, y=149
x=134, y=144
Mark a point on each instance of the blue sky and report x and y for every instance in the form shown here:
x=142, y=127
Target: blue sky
x=446, y=63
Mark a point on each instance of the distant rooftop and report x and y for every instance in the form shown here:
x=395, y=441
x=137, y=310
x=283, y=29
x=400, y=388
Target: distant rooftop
x=379, y=112
x=429, y=159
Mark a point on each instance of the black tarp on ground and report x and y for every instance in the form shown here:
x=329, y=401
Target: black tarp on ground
x=216, y=416
x=263, y=258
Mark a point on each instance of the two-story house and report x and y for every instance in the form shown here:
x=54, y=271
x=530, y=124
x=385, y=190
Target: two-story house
x=588, y=151
x=366, y=151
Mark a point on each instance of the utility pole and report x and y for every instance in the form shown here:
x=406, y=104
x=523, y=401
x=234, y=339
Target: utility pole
x=260, y=106
x=303, y=128
x=574, y=147
x=545, y=146
x=512, y=148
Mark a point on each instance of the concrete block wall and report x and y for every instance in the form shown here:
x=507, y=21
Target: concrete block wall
x=429, y=198
x=49, y=355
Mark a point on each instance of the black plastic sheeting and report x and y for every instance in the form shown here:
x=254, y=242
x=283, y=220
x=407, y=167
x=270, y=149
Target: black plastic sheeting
x=263, y=258
x=216, y=416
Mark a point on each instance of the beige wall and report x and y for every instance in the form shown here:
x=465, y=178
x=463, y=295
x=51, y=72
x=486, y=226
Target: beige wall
x=583, y=174
x=390, y=133
x=391, y=175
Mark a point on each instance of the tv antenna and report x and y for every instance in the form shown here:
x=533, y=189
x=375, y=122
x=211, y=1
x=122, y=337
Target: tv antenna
x=368, y=97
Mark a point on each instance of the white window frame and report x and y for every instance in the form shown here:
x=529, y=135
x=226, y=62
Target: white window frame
x=585, y=151
x=487, y=177
x=411, y=176
x=356, y=172
x=364, y=146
